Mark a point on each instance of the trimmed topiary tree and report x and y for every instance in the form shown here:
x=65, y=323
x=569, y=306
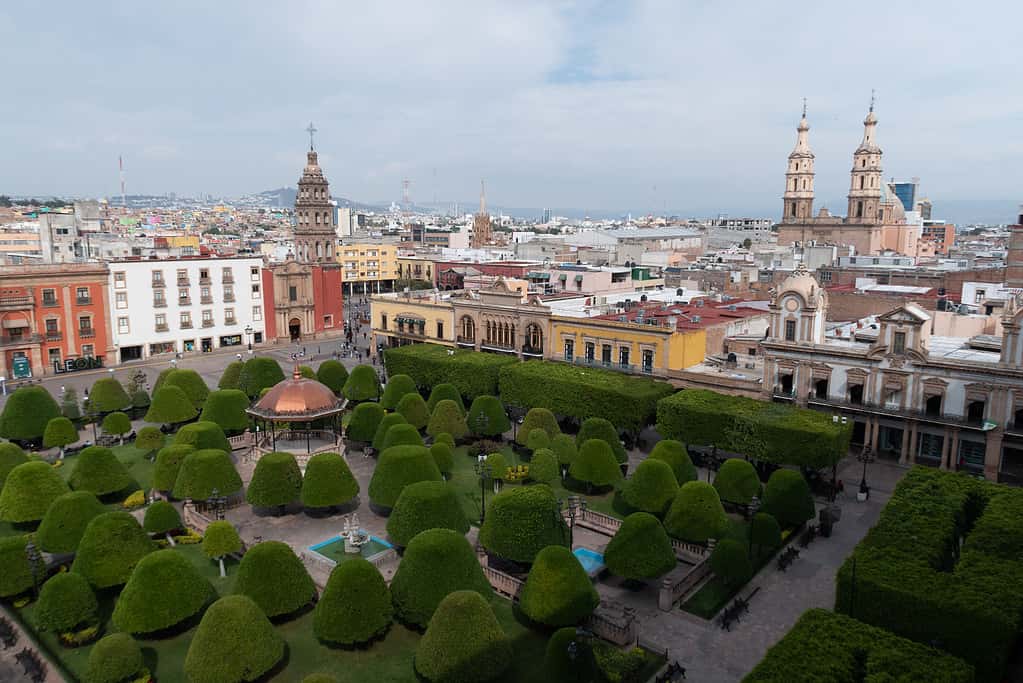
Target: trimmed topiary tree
x=276, y=481
x=235, y=642
x=557, y=591
x=401, y=435
x=356, y=605
x=97, y=469
x=436, y=563
x=15, y=570
x=69, y=406
x=413, y=408
x=117, y=424
x=221, y=539
x=787, y=498
x=333, y=375
x=487, y=417
x=565, y=449
x=651, y=488
x=538, y=439
x=596, y=465
x=737, y=481
x=170, y=406
x=65, y=521
x=108, y=395
x=306, y=372
x=272, y=575
x=11, y=456
x=388, y=421
x=599, y=428
x=201, y=435
x=328, y=482
x=162, y=518
x=397, y=468
x=114, y=659
x=464, y=642
x=447, y=418
x=674, y=453
x=766, y=533
x=231, y=377
x=396, y=388
x=443, y=457
x=498, y=465
x=696, y=514
x=444, y=437
x=29, y=490
x=641, y=549
x=61, y=432
x=168, y=464
x=161, y=378
x=521, y=521
x=422, y=506
x=164, y=590
x=26, y=413
x=112, y=545
x=543, y=466
x=445, y=392
x=66, y=604
x=569, y=656
x=205, y=470
x=537, y=418
x=365, y=419
x=730, y=562
x=150, y=439
x=191, y=383
x=259, y=372
x=226, y=408
x=362, y=384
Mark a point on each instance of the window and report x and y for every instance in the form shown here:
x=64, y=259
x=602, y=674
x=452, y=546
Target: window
x=183, y=295
x=257, y=312
x=204, y=273
x=122, y=325
x=979, y=296
x=121, y=299
x=255, y=291
x=119, y=280
x=228, y=292
x=88, y=351
x=623, y=356
x=648, y=360
x=440, y=329
x=186, y=320
x=292, y=293
x=207, y=318
x=204, y=295
x=49, y=297
x=790, y=330
x=182, y=276
x=328, y=321
x=590, y=350
x=158, y=299
x=157, y=278
x=254, y=272
x=54, y=356
x=605, y=354
x=161, y=319
x=51, y=326
x=85, y=322
x=82, y=294
x=383, y=321
x=227, y=275
x=569, y=349
x=899, y=342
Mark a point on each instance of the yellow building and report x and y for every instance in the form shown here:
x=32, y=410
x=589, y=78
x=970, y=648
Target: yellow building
x=368, y=267
x=632, y=347
x=415, y=268
x=183, y=242
x=398, y=319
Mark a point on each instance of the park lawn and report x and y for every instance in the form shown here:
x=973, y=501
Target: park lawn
x=139, y=466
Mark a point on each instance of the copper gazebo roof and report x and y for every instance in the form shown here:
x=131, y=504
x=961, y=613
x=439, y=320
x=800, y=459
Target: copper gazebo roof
x=297, y=400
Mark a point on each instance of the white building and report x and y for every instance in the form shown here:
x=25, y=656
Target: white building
x=191, y=305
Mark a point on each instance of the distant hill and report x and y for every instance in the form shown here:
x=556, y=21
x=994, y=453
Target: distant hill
x=284, y=197
x=977, y=211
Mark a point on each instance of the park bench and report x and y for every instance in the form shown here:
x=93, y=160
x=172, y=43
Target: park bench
x=787, y=558
x=674, y=672
x=807, y=537
x=30, y=663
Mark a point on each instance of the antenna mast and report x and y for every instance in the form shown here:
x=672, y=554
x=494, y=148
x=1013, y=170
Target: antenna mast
x=120, y=170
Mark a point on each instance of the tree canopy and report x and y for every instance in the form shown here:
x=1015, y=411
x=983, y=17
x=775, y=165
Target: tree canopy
x=464, y=642
x=29, y=490
x=355, y=606
x=26, y=413
x=234, y=642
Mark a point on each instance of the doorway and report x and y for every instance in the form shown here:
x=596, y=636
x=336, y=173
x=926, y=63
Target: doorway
x=295, y=329
x=131, y=353
x=207, y=344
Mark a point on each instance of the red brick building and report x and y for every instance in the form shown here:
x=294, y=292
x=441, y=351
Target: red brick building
x=302, y=301
x=451, y=274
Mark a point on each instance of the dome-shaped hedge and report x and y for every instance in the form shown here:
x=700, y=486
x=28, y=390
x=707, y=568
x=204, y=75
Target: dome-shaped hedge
x=60, y=432
x=231, y=377
x=226, y=409
x=464, y=642
x=436, y=563
x=66, y=603
x=487, y=417
x=328, y=482
x=641, y=549
x=112, y=545
x=497, y=464
x=787, y=498
x=537, y=418
x=220, y=539
x=168, y=464
x=161, y=518
x=557, y=591
x=65, y=520
x=569, y=656
x=443, y=457
x=445, y=392
x=730, y=562
x=696, y=514
x=108, y=395
x=674, y=453
x=150, y=438
x=355, y=606
x=190, y=382
x=26, y=413
x=277, y=480
x=29, y=490
x=401, y=435
x=565, y=449
x=202, y=435
x=98, y=470
x=445, y=438
x=258, y=373
x=272, y=575
x=365, y=419
x=397, y=468
x=164, y=590
x=397, y=387
x=651, y=488
x=766, y=533
x=333, y=375
x=596, y=465
x=543, y=466
x=447, y=418
x=11, y=456
x=425, y=505
x=170, y=406
x=537, y=440
x=522, y=521
x=235, y=642
x=384, y=426
x=599, y=428
x=15, y=570
x=205, y=470
x=117, y=424
x=114, y=659
x=413, y=408
x=737, y=481
x=362, y=384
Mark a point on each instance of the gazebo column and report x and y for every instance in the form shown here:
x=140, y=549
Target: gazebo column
x=273, y=433
x=308, y=428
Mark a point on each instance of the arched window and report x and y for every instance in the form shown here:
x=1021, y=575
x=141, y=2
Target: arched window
x=534, y=337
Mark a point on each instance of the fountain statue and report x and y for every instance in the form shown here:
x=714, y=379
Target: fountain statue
x=353, y=537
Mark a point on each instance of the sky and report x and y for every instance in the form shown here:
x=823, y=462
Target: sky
x=679, y=106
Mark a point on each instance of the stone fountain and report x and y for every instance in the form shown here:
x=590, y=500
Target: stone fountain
x=353, y=537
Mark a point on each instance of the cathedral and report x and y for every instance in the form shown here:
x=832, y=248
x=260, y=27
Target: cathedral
x=875, y=220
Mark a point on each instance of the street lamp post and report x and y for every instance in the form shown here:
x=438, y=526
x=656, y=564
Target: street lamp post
x=754, y=506
x=483, y=472
x=866, y=456
x=248, y=337
x=34, y=558
x=218, y=503
x=575, y=507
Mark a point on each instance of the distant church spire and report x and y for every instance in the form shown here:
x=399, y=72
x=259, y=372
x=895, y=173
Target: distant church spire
x=481, y=228
x=865, y=177
x=483, y=197
x=315, y=235
x=798, y=199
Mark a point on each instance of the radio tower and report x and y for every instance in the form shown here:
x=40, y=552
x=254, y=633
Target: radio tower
x=405, y=206
x=120, y=170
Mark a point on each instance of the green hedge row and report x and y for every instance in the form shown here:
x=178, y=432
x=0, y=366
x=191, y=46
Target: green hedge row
x=824, y=646
x=474, y=374
x=908, y=575
x=766, y=431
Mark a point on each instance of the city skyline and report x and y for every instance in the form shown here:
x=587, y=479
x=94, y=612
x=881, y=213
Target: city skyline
x=607, y=107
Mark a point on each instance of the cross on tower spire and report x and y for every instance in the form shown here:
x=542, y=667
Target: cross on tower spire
x=311, y=130
x=804, y=107
x=872, y=99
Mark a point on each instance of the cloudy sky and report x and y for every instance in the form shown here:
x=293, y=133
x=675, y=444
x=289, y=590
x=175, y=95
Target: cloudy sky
x=641, y=106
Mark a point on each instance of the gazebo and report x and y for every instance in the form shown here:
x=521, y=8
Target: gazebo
x=299, y=403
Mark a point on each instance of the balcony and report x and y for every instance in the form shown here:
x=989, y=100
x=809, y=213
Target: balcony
x=186, y=325
x=227, y=279
x=158, y=282
x=184, y=282
x=86, y=332
x=230, y=321
x=16, y=303
x=50, y=303
x=162, y=328
x=206, y=299
x=20, y=339
x=535, y=351
x=465, y=341
x=159, y=303
x=207, y=323
x=912, y=413
x=229, y=298
x=84, y=301
x=187, y=301
x=205, y=280
x=54, y=336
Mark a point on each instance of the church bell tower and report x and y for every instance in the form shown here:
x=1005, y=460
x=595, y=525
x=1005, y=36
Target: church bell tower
x=798, y=198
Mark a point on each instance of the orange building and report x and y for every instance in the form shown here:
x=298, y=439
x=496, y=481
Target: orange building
x=942, y=235
x=54, y=318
